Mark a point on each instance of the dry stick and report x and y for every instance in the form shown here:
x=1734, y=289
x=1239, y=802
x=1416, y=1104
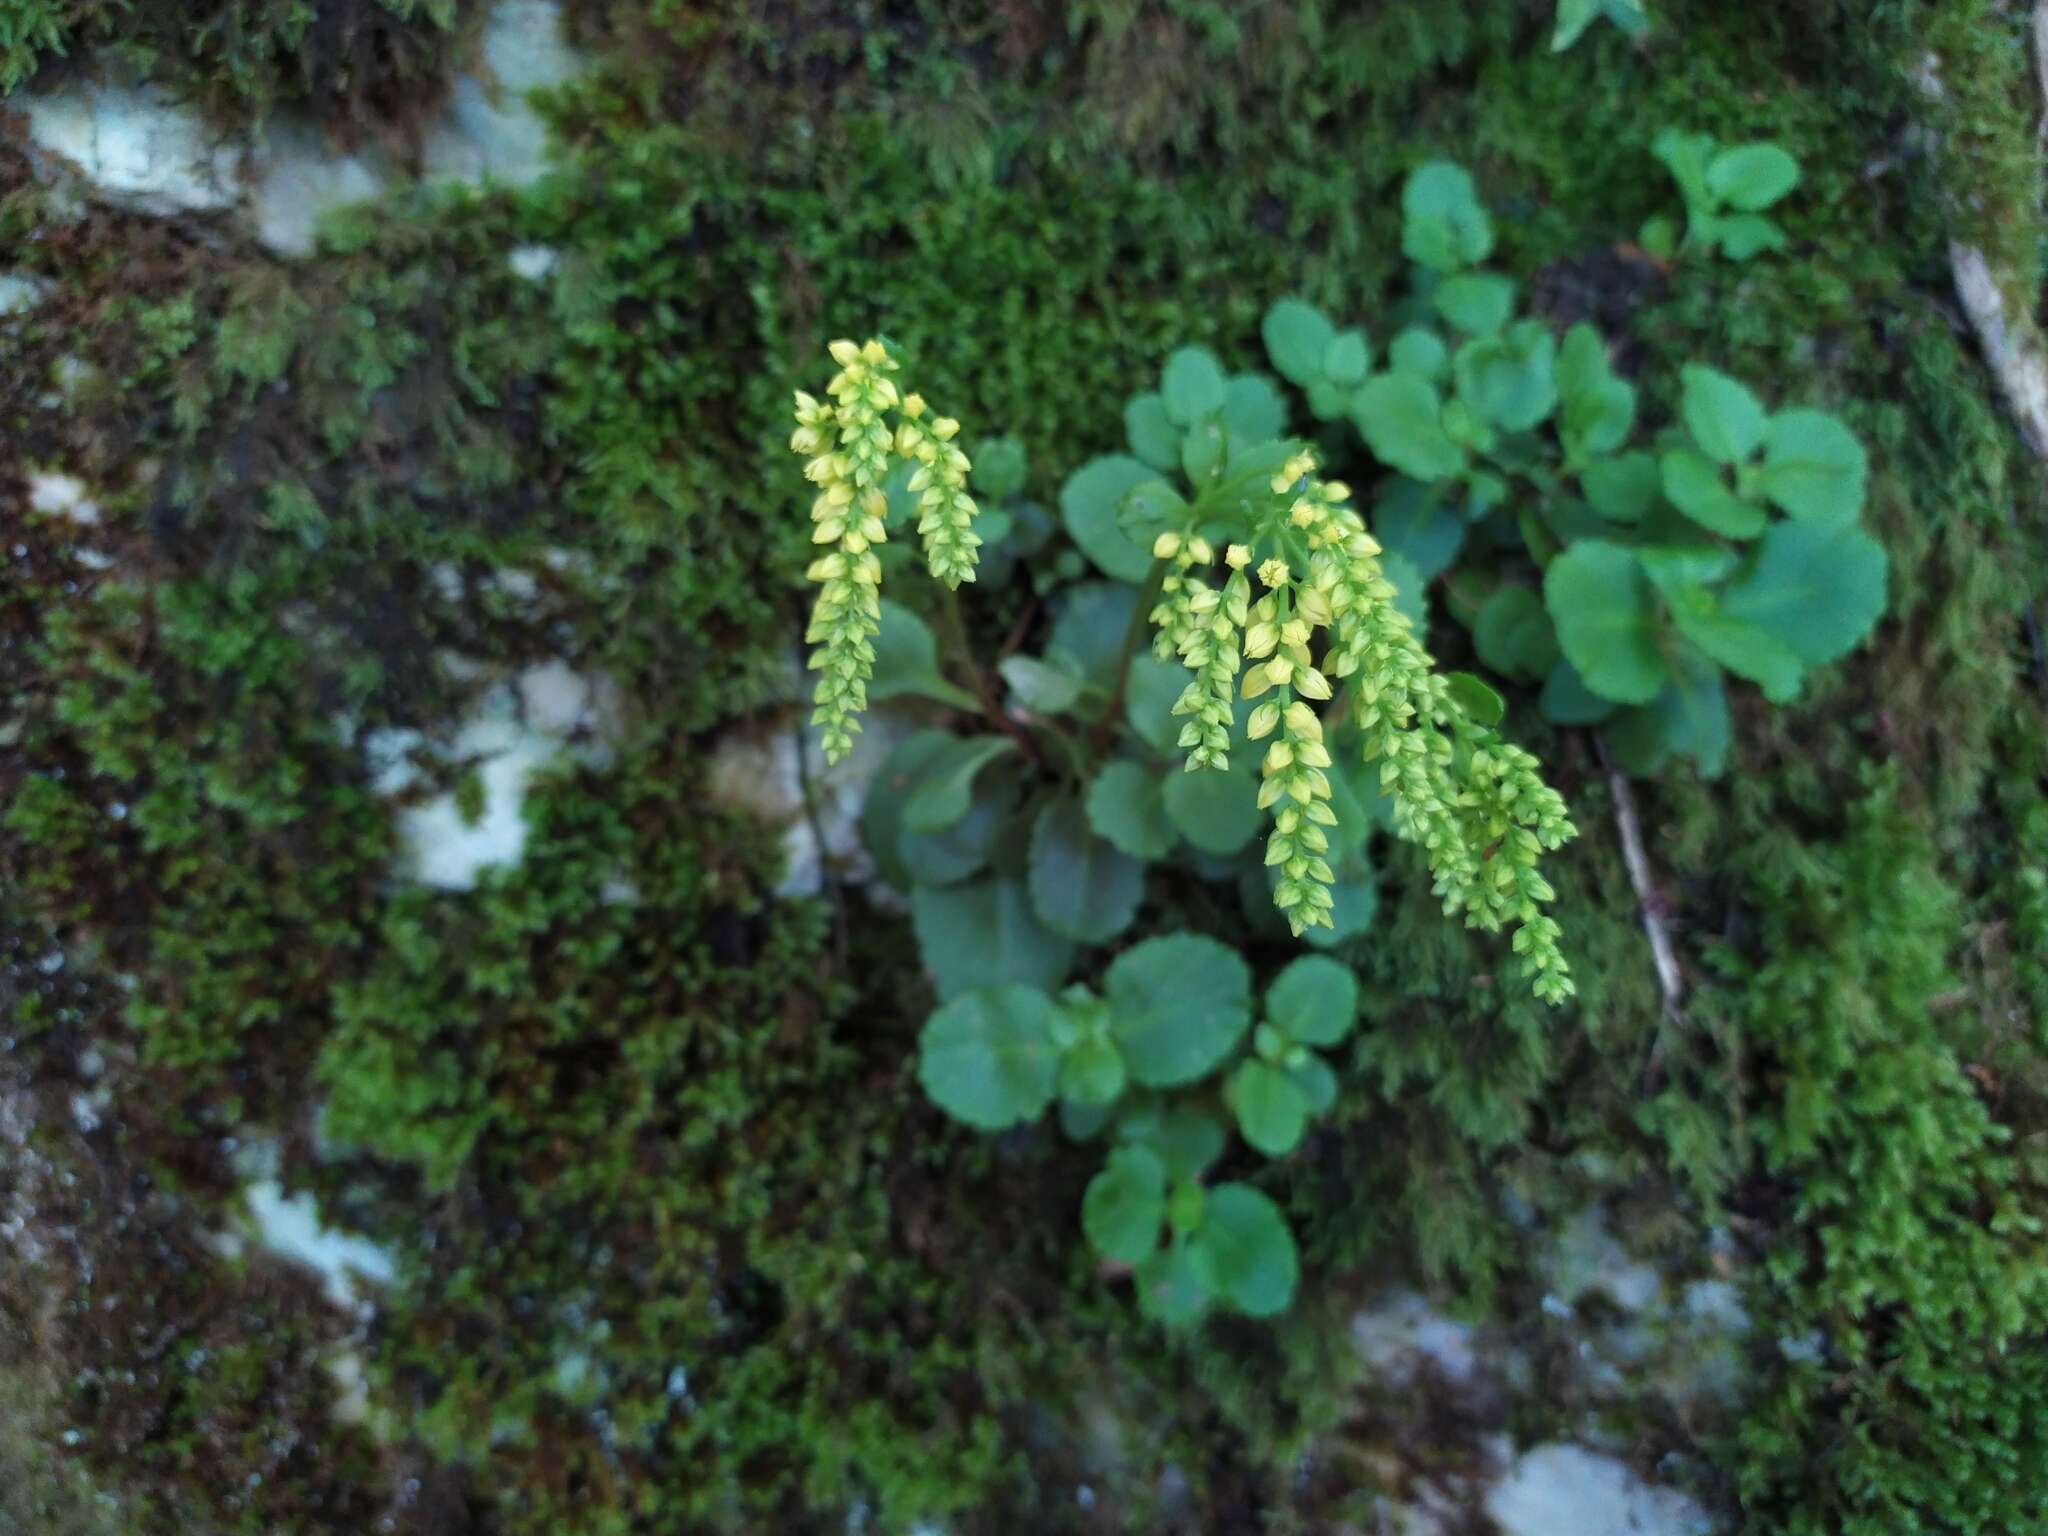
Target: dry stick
x=1648, y=900
x=2012, y=344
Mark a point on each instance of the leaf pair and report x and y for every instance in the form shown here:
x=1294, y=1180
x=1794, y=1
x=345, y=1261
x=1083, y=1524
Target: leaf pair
x=1651, y=626
x=1726, y=190
x=1193, y=425
x=1273, y=1092
x=1190, y=1247
x=1172, y=1010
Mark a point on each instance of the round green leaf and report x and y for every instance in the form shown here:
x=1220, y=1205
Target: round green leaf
x=1178, y=1006
x=1091, y=1073
x=907, y=661
x=1566, y=700
x=1192, y=385
x=1601, y=602
x=1481, y=704
x=1271, y=1111
x=1818, y=587
x=957, y=851
x=947, y=789
x=1318, y=1084
x=1675, y=567
x=1080, y=885
x=1509, y=380
x=1622, y=488
x=1421, y=352
x=1187, y=1140
x=1126, y=808
x=881, y=819
x=1354, y=901
x=998, y=471
x=1477, y=303
x=1151, y=689
x=1751, y=177
x=1253, y=411
x=1813, y=466
x=1694, y=485
x=1738, y=645
x=1412, y=521
x=1724, y=418
x=1296, y=334
x=1346, y=358
x=1514, y=636
x=1170, y=1287
x=984, y=933
x=1244, y=1253
x=1598, y=409
x=1124, y=1209
x=1742, y=235
x=1040, y=686
x=1327, y=401
x=1090, y=502
x=1088, y=632
x=1314, y=1001
x=1151, y=433
x=1689, y=718
x=987, y=1057
x=1443, y=225
x=1401, y=419
x=1685, y=156
x=1217, y=810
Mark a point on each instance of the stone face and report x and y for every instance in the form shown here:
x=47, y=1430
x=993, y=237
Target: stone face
x=60, y=495
x=19, y=293
x=1567, y=1490
x=490, y=130
x=297, y=178
x=757, y=772
x=137, y=146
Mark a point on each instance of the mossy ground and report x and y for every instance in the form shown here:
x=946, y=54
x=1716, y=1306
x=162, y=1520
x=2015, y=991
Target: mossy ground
x=618, y=1141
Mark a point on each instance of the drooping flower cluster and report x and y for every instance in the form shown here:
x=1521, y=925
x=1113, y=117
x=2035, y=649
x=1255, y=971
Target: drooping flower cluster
x=1201, y=625
x=848, y=446
x=1475, y=803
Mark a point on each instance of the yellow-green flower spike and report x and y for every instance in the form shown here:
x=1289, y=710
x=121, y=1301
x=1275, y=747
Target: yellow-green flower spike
x=1297, y=790
x=1209, y=647
x=1483, y=831
x=945, y=510
x=848, y=446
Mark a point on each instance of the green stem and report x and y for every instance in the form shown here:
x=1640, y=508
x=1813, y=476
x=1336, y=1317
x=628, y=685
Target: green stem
x=980, y=683
x=1141, y=619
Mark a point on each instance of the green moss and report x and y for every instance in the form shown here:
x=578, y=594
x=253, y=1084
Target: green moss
x=356, y=63
x=1909, y=1248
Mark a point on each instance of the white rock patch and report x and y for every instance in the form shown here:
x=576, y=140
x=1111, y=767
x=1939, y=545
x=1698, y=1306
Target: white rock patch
x=292, y=1229
x=491, y=130
x=532, y=262
x=758, y=773
x=136, y=145
x=517, y=729
x=58, y=495
x=1567, y=1490
x=20, y=293
x=1403, y=1330
x=297, y=178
